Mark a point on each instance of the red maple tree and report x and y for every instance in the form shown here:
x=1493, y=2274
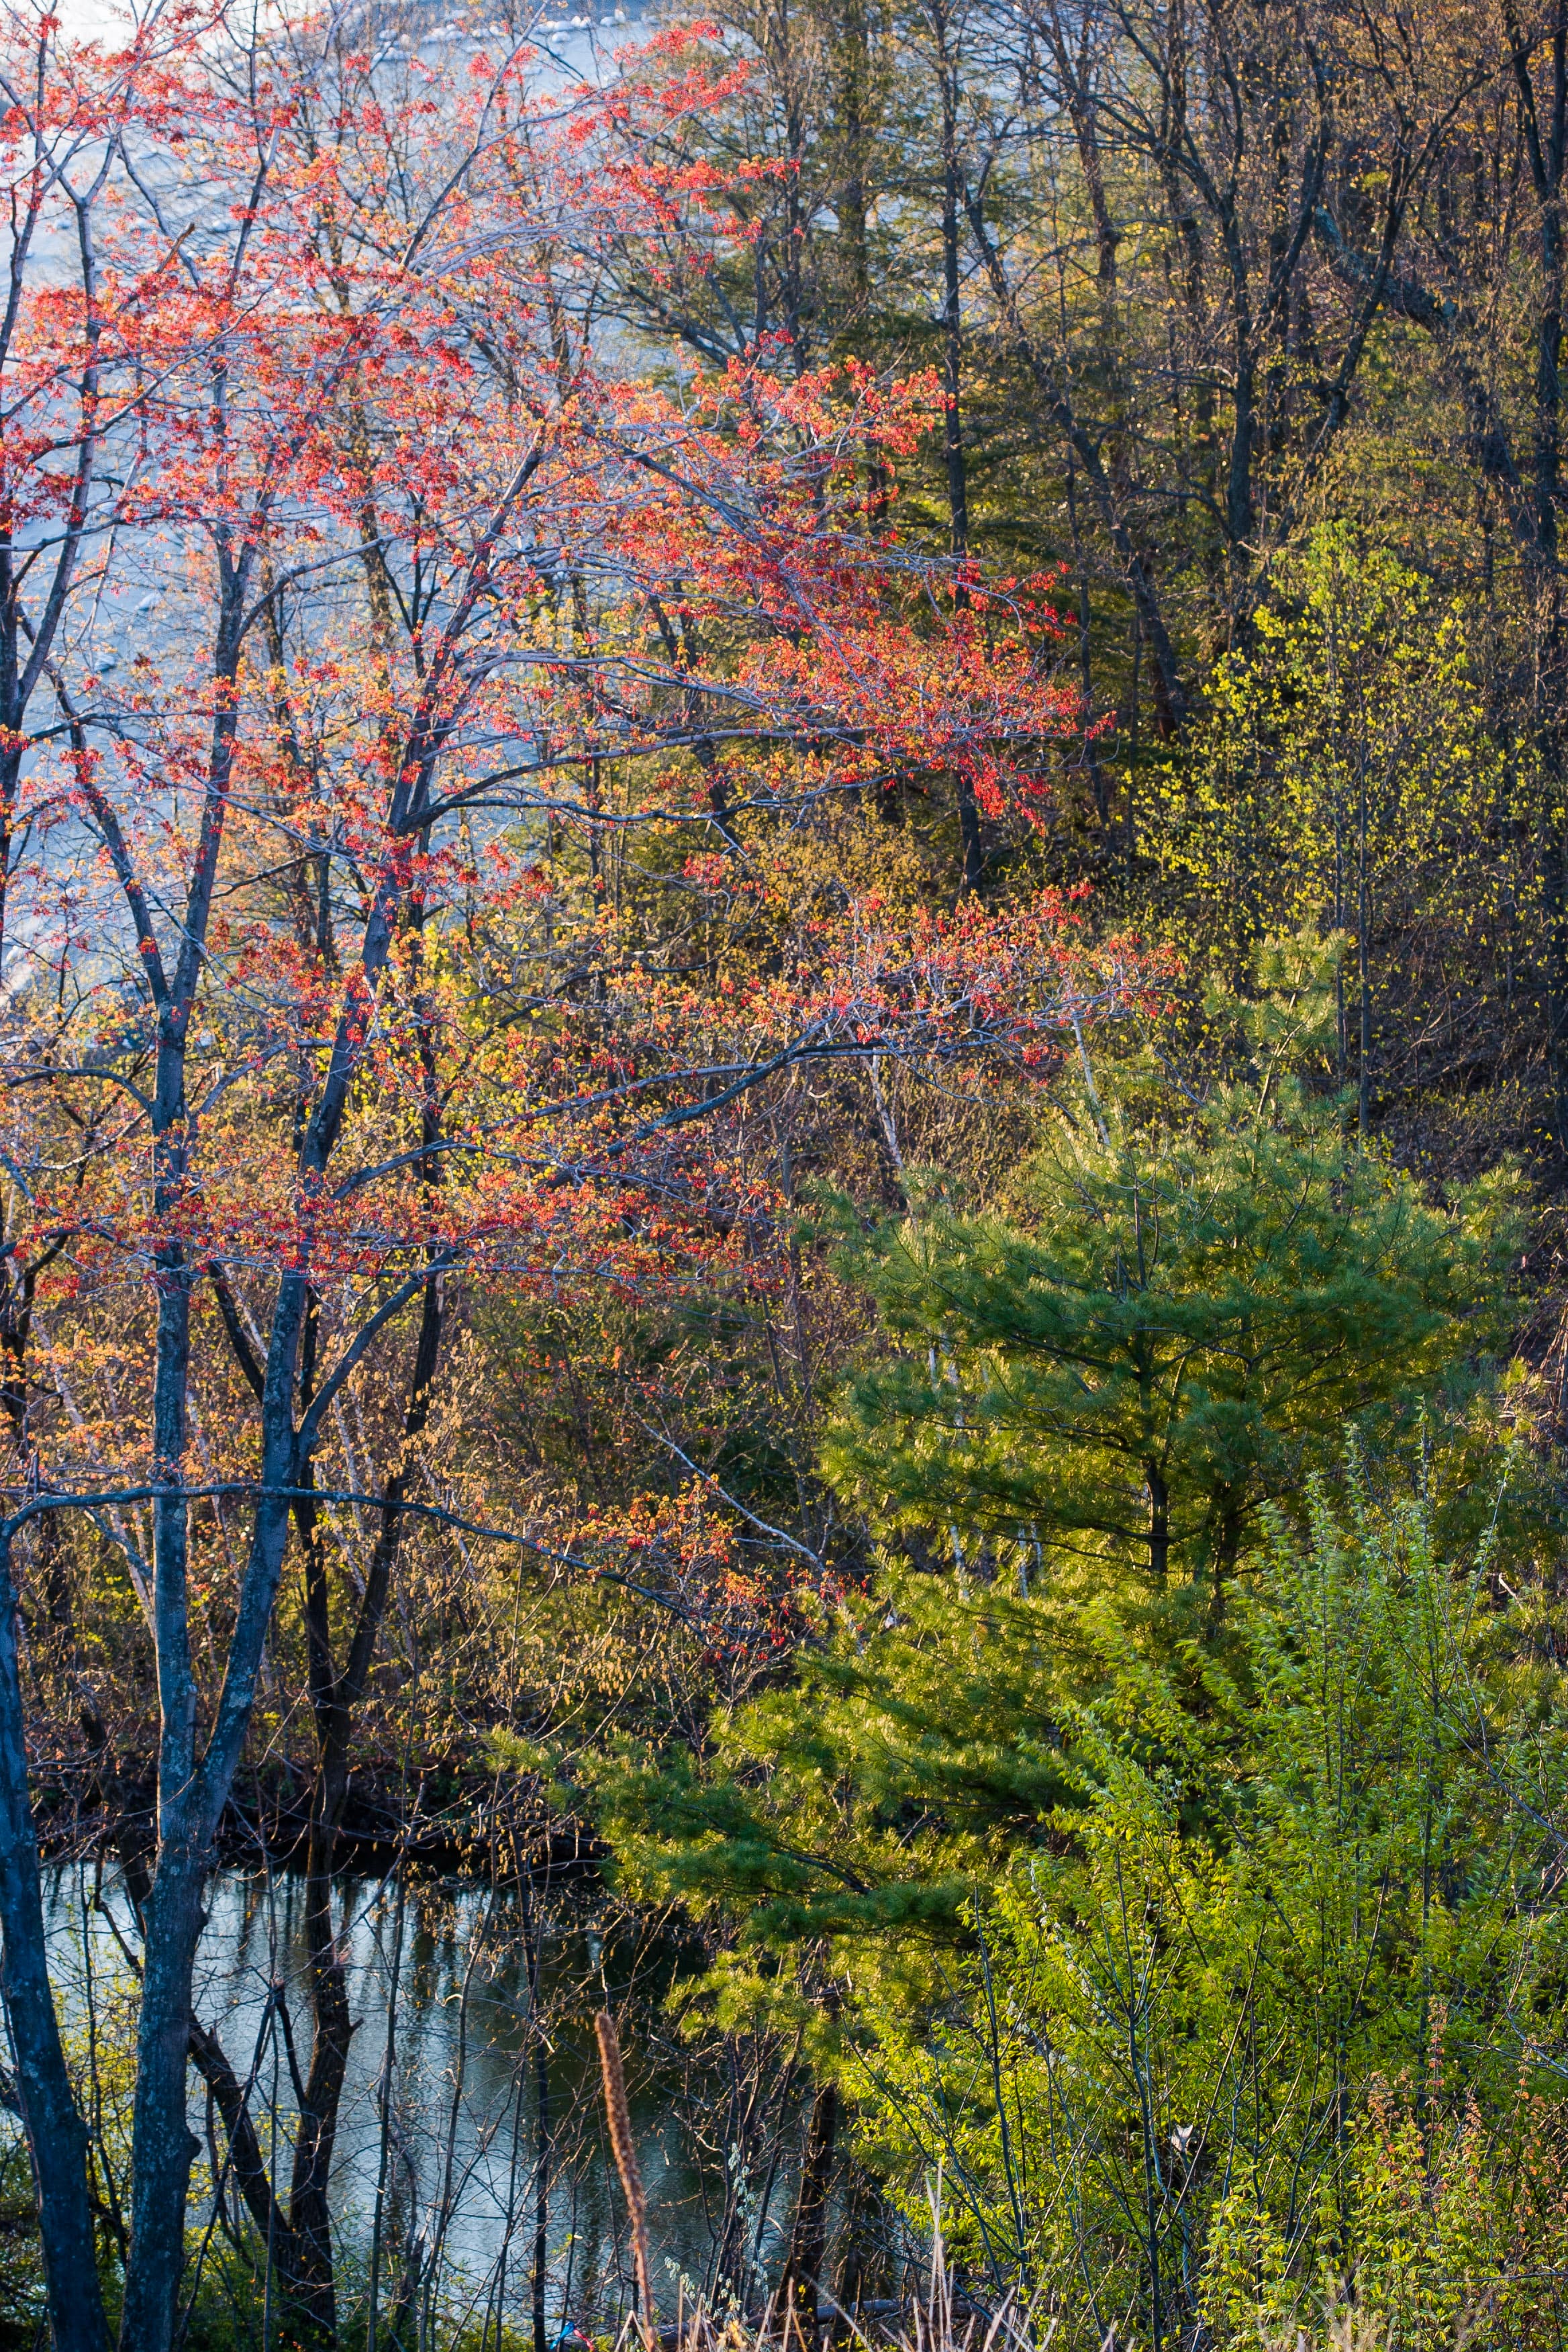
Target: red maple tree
x=340, y=578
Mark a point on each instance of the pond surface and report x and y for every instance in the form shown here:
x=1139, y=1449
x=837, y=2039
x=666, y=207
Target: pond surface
x=450, y=2153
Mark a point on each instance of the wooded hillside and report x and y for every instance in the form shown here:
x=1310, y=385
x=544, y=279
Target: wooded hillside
x=783, y=817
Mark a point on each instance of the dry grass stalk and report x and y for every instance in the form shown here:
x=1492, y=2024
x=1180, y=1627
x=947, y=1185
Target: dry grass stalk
x=625, y=2151
x=1346, y=2328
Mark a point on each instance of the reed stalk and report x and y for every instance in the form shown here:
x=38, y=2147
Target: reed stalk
x=625, y=2151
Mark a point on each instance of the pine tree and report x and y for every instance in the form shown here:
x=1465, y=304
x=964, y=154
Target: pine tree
x=1093, y=1399
x=1171, y=1320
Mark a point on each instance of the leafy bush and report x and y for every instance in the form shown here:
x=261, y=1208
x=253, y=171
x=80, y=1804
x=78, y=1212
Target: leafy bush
x=1277, y=2024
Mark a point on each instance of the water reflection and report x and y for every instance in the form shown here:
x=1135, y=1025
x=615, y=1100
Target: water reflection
x=448, y=2158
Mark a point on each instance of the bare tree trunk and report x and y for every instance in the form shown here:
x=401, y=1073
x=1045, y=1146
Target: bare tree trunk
x=952, y=376
x=543, y=2148
x=334, y=1698
x=56, y=2135
x=808, y=2239
x=189, y=1812
x=162, y=2144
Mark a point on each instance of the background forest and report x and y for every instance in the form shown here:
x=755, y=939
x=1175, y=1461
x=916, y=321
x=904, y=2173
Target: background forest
x=783, y=951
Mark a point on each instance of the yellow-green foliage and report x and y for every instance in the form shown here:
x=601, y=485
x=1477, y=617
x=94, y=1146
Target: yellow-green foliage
x=1346, y=743
x=1265, y=2028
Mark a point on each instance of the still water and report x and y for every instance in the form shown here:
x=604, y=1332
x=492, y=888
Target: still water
x=452, y=2162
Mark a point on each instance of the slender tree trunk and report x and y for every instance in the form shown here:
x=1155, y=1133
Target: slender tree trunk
x=1159, y=1523
x=334, y=1698
x=163, y=2146
x=953, y=383
x=1551, y=666
x=56, y=2135
x=855, y=106
x=384, y=2106
x=1540, y=57
x=189, y=1812
x=544, y=2143
x=808, y=2239
x=331, y=2030
x=56, y=2132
